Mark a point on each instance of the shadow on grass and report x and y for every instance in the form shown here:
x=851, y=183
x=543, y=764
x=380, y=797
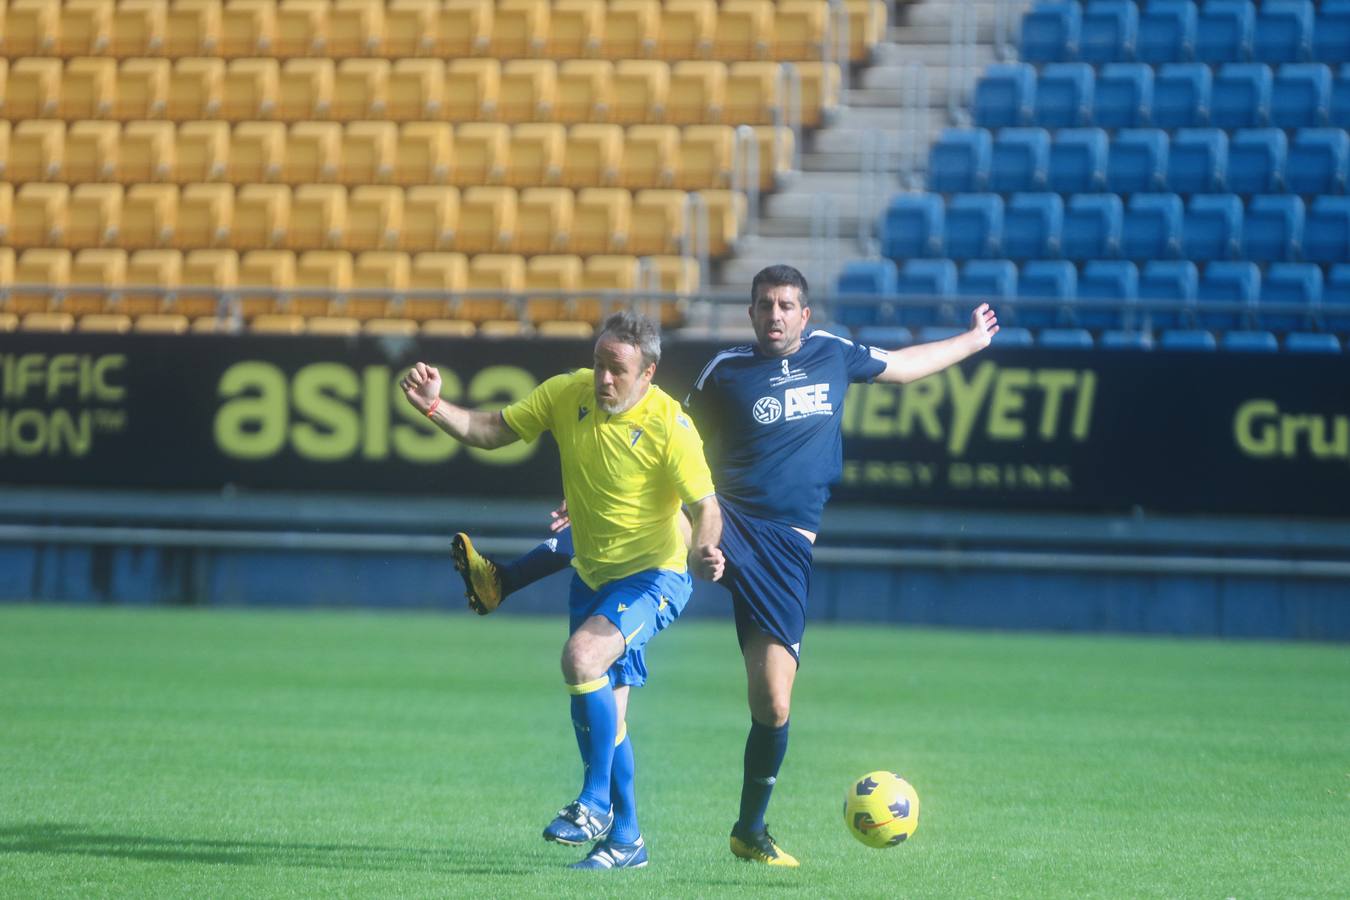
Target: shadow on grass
x=74, y=840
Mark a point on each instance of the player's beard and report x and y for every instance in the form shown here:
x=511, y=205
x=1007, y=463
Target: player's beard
x=621, y=404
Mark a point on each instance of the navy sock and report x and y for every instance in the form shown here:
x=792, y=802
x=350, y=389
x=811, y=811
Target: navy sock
x=553, y=555
x=623, y=791
x=764, y=751
x=595, y=718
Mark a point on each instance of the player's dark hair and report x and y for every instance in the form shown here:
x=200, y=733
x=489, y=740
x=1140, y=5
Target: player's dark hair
x=634, y=328
x=779, y=276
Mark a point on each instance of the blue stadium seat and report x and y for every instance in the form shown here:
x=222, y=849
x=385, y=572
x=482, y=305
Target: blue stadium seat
x=932, y=280
x=1020, y=160
x=1256, y=160
x=1318, y=161
x=1312, y=342
x=1137, y=161
x=974, y=226
x=912, y=226
x=1125, y=340
x=1331, y=35
x=1109, y=31
x=863, y=278
x=1213, y=227
x=1339, y=114
x=1166, y=32
x=959, y=160
x=930, y=333
x=1181, y=95
x=1188, y=339
x=1326, y=231
x=1336, y=298
x=1064, y=95
x=1198, y=160
x=1032, y=225
x=1228, y=283
x=1301, y=96
x=1078, y=160
x=1005, y=95
x=1152, y=227
x=1092, y=226
x=1045, y=279
x=1065, y=338
x=1124, y=95
x=1171, y=281
x=988, y=279
x=1116, y=284
x=1283, y=31
x=1050, y=32
x=1295, y=286
x=1223, y=31
x=1241, y=97
x=1013, y=336
x=885, y=336
x=1272, y=229
x=1250, y=342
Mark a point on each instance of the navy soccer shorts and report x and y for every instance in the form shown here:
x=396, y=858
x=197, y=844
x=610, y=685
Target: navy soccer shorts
x=769, y=575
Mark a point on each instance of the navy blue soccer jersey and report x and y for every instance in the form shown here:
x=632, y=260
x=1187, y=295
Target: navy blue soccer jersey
x=772, y=426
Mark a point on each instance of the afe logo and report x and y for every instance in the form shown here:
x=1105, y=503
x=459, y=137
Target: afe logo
x=767, y=410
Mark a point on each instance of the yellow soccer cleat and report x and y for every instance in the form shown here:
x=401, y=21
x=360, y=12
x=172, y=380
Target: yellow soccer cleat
x=482, y=582
x=761, y=848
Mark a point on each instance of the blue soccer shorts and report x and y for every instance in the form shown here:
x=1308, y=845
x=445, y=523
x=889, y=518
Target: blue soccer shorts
x=768, y=572
x=640, y=606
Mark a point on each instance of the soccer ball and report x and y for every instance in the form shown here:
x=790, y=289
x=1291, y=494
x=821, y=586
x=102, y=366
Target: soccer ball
x=881, y=809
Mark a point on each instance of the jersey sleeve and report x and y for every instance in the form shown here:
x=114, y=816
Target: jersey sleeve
x=863, y=362
x=684, y=457
x=532, y=414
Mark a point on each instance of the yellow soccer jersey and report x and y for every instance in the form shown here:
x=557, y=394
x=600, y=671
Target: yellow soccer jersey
x=624, y=476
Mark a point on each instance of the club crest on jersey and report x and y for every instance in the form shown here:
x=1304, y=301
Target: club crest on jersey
x=767, y=410
x=581, y=412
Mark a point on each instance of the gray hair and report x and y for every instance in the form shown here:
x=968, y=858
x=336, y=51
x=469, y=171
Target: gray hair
x=637, y=330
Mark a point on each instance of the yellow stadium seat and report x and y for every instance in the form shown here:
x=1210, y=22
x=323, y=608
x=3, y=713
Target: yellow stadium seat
x=247, y=28
x=576, y=29
x=146, y=152
x=799, y=30
x=480, y=154
x=47, y=322
x=601, y=219
x=202, y=152
x=139, y=28
x=430, y=217
x=698, y=90
x=519, y=28
x=6, y=212
x=312, y=153
x=6, y=131
x=472, y=89
x=650, y=154
x=565, y=330
x=544, y=220
x=382, y=327
x=424, y=153
x=658, y=222
x=463, y=28
x=497, y=272
x=592, y=155
x=39, y=216
x=213, y=324
x=585, y=90
x=160, y=323
x=31, y=28
x=250, y=89
x=498, y=329
x=149, y=216
x=36, y=151
x=355, y=28
x=776, y=146
x=631, y=27
x=103, y=269
x=551, y=274
x=360, y=89
x=726, y=213
x=613, y=278
x=212, y=272
x=368, y=152
x=205, y=216
x=705, y=156
x=529, y=88
x=687, y=28
x=86, y=28
x=34, y=89
x=87, y=88
x=820, y=91
x=323, y=270
x=302, y=29
x=447, y=328
x=142, y=89
x=318, y=217
x=535, y=155
x=257, y=151
x=410, y=28
x=262, y=215
x=641, y=89
x=438, y=275
x=745, y=30
x=487, y=219
x=94, y=215
x=382, y=271
x=333, y=326
x=416, y=90
x=753, y=94
x=305, y=89
x=6, y=265
x=196, y=89
x=4, y=85
x=275, y=323
x=266, y=278
x=192, y=29
x=866, y=27
x=8, y=321
x=374, y=217
x=48, y=271
x=672, y=275
x=150, y=269
x=103, y=323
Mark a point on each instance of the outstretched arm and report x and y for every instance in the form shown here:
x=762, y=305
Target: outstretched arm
x=475, y=427
x=705, y=557
x=912, y=363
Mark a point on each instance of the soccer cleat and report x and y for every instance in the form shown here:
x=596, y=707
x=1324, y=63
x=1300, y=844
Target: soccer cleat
x=482, y=582
x=760, y=847
x=608, y=854
x=577, y=823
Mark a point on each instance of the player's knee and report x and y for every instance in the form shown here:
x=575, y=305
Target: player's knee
x=585, y=659
x=771, y=710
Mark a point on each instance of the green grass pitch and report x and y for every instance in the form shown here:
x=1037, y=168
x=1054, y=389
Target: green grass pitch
x=228, y=753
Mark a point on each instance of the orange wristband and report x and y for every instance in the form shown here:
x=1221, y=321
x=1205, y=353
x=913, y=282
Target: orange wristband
x=432, y=408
